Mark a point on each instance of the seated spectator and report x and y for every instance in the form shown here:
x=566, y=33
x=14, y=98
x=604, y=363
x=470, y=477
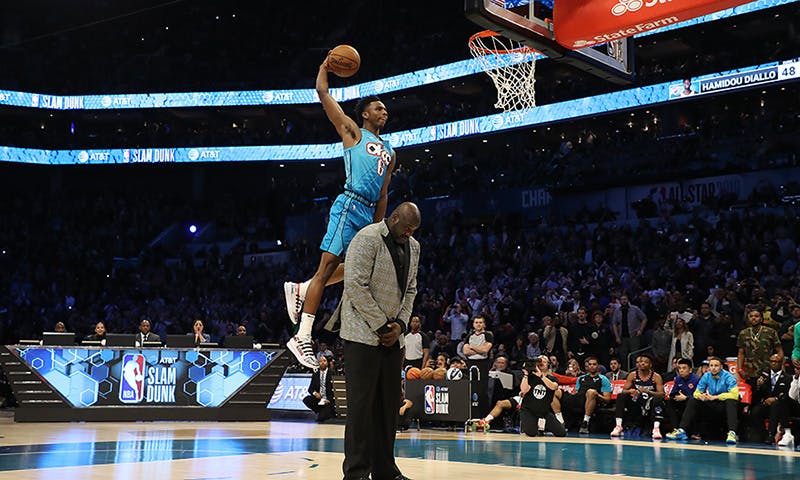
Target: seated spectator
x=497, y=393
x=790, y=407
x=573, y=368
x=197, y=331
x=324, y=351
x=642, y=398
x=320, y=392
x=771, y=386
x=99, y=334
x=554, y=365
x=145, y=335
x=717, y=392
x=518, y=353
x=683, y=389
x=241, y=331
x=590, y=389
x=443, y=346
x=60, y=327
x=672, y=374
x=615, y=371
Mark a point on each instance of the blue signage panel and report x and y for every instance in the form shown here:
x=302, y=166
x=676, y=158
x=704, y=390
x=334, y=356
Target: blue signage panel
x=291, y=391
x=102, y=377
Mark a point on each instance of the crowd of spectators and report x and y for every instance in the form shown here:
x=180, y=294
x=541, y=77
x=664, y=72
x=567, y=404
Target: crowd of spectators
x=527, y=281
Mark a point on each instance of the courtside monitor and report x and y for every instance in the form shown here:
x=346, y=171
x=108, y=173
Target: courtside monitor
x=180, y=341
x=239, y=342
x=120, y=340
x=58, y=339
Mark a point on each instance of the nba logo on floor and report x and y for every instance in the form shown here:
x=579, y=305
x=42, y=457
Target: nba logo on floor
x=430, y=399
x=131, y=383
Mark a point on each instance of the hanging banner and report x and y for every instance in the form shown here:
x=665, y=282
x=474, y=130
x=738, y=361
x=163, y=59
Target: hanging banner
x=584, y=23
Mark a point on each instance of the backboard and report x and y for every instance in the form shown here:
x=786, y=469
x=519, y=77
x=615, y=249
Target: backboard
x=529, y=22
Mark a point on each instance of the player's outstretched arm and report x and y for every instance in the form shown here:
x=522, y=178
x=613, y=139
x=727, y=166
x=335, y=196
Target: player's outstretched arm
x=345, y=125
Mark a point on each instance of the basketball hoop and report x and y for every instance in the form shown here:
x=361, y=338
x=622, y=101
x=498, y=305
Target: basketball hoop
x=510, y=64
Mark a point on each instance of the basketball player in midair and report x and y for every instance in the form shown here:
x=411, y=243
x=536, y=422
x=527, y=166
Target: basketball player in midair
x=368, y=165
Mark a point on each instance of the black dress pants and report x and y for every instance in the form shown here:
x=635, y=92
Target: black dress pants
x=323, y=412
x=372, y=379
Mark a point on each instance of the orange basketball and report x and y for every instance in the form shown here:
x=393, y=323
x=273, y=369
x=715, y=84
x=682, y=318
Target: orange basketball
x=412, y=373
x=344, y=61
x=426, y=373
x=440, y=374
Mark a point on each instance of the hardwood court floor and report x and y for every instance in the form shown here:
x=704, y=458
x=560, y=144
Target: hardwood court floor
x=295, y=450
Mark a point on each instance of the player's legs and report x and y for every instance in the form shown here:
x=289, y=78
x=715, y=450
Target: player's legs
x=328, y=265
x=501, y=405
x=300, y=344
x=346, y=218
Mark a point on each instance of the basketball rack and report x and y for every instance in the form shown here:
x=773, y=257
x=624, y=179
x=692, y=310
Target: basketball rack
x=615, y=65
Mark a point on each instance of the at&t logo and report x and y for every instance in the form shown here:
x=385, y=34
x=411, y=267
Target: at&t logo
x=624, y=6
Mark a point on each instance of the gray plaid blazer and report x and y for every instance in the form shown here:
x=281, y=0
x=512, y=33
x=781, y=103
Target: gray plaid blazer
x=371, y=294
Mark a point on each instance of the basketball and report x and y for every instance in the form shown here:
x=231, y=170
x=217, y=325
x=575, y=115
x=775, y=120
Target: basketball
x=426, y=373
x=454, y=373
x=412, y=373
x=344, y=61
x=440, y=374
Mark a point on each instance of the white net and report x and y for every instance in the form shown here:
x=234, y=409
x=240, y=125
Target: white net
x=511, y=66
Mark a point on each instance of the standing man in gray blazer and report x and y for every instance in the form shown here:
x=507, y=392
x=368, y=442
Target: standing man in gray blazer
x=380, y=283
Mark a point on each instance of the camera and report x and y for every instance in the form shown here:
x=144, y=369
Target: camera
x=529, y=365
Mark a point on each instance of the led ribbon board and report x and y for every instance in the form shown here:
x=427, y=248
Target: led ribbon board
x=158, y=377
x=627, y=99
x=306, y=96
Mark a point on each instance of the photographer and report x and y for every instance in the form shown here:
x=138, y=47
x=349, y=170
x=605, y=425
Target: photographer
x=538, y=388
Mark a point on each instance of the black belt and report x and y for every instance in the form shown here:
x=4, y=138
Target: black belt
x=360, y=199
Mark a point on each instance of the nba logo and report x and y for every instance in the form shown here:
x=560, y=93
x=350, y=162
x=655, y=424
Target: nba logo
x=131, y=383
x=430, y=399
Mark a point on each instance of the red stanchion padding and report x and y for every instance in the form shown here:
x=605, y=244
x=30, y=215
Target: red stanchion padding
x=616, y=388
x=583, y=23
x=565, y=379
x=745, y=393
x=569, y=388
x=668, y=389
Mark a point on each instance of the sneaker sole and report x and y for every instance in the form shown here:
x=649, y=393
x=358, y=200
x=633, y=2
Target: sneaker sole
x=298, y=354
x=291, y=301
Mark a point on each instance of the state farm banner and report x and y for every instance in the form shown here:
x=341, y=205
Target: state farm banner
x=583, y=23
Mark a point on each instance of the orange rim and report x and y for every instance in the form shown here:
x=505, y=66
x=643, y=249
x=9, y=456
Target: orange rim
x=491, y=51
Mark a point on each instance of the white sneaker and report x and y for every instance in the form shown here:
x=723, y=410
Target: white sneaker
x=294, y=302
x=303, y=352
x=657, y=434
x=787, y=439
x=617, y=432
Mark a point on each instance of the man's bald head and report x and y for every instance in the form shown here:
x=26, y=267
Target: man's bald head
x=404, y=221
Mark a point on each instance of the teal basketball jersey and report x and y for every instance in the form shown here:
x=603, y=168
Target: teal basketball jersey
x=365, y=165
